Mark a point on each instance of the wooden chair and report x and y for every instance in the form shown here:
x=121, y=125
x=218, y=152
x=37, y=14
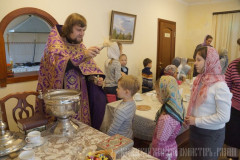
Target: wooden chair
x=111, y=98
x=23, y=111
x=191, y=64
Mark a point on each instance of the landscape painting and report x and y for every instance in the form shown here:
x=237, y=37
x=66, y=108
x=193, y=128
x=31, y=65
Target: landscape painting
x=122, y=27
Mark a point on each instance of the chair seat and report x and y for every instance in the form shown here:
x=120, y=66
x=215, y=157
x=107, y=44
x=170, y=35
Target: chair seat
x=36, y=120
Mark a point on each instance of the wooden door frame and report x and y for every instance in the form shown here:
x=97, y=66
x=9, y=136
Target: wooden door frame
x=158, y=41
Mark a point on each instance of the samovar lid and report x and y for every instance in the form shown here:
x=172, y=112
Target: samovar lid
x=10, y=141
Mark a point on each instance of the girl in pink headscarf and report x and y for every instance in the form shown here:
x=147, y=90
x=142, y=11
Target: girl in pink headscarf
x=209, y=106
x=207, y=42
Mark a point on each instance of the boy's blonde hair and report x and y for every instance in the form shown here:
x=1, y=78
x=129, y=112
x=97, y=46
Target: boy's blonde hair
x=129, y=82
x=123, y=55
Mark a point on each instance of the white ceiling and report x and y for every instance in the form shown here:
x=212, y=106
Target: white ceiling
x=195, y=2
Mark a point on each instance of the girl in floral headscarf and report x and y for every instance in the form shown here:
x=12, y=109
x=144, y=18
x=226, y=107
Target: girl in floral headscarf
x=168, y=118
x=209, y=106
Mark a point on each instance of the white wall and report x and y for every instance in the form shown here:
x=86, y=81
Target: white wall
x=97, y=13
x=199, y=20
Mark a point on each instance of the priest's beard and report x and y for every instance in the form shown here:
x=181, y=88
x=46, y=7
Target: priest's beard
x=73, y=41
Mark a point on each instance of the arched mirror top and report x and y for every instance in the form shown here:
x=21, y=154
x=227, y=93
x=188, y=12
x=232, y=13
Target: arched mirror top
x=8, y=23
x=26, y=11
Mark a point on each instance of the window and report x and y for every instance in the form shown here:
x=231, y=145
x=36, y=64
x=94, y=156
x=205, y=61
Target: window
x=226, y=31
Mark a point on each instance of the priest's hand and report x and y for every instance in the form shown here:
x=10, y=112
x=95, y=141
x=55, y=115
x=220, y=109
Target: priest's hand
x=92, y=52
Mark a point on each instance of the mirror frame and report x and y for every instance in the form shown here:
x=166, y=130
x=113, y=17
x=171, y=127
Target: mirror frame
x=18, y=77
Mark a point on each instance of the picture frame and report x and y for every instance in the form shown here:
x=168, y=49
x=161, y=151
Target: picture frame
x=122, y=27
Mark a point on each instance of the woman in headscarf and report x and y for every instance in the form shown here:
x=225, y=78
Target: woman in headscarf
x=209, y=106
x=223, y=56
x=168, y=118
x=172, y=70
x=112, y=70
x=207, y=42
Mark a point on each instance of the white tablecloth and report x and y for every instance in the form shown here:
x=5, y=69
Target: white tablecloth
x=143, y=123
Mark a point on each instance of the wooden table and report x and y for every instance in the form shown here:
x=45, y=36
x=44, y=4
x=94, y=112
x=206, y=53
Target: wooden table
x=143, y=123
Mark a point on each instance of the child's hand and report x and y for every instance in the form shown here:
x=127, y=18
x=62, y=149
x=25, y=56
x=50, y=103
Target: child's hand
x=99, y=81
x=185, y=125
x=123, y=74
x=189, y=120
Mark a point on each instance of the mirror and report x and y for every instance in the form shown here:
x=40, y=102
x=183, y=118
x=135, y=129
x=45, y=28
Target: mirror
x=8, y=40
x=25, y=38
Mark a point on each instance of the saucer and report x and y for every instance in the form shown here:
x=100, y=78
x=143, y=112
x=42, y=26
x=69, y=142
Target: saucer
x=184, y=100
x=32, y=145
x=139, y=99
x=149, y=94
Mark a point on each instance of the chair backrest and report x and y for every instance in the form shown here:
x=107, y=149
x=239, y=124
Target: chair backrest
x=23, y=107
x=111, y=98
x=191, y=64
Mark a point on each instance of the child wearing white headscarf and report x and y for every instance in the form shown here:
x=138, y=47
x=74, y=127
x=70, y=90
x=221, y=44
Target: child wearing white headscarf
x=183, y=70
x=112, y=69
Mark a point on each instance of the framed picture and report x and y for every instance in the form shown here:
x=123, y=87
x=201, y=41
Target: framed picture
x=122, y=27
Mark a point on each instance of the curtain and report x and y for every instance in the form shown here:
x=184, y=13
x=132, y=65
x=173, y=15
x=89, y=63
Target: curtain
x=225, y=32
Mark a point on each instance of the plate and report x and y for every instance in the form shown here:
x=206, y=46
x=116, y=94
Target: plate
x=35, y=158
x=143, y=107
x=32, y=145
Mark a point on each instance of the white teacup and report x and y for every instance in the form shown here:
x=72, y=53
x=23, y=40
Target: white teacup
x=27, y=155
x=138, y=97
x=33, y=137
x=181, y=91
x=154, y=97
x=187, y=97
x=188, y=81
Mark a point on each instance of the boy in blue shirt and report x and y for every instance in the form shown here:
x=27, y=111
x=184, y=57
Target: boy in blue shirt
x=147, y=77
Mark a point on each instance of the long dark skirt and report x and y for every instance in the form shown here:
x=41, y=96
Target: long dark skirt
x=206, y=144
x=233, y=129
